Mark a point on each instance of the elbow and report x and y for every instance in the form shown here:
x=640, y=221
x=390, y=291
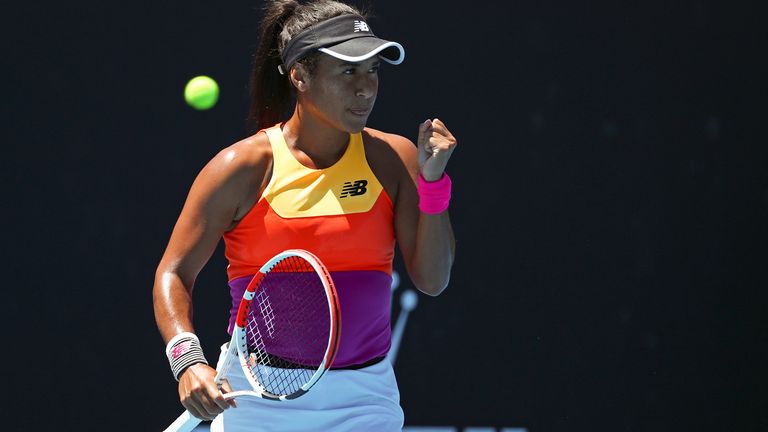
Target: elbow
x=431, y=277
x=432, y=287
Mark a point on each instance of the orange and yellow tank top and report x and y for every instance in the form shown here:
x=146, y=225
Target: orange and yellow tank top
x=343, y=215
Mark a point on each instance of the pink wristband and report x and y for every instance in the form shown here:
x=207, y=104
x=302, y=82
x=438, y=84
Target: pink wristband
x=434, y=196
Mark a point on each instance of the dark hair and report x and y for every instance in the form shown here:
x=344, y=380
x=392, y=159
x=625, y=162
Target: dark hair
x=271, y=92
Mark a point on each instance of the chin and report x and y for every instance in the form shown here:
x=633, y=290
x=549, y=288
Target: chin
x=355, y=126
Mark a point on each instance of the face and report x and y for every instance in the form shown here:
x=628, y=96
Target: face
x=340, y=93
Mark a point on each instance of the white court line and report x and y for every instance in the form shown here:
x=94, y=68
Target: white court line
x=430, y=429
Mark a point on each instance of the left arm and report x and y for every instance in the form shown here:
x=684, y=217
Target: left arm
x=426, y=240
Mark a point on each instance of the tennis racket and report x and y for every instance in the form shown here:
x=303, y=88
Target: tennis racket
x=286, y=333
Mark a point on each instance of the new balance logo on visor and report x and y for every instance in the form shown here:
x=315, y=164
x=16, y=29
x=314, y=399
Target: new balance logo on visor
x=353, y=188
x=361, y=26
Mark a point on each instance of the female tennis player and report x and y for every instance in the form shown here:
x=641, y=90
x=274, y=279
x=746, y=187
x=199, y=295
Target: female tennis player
x=313, y=177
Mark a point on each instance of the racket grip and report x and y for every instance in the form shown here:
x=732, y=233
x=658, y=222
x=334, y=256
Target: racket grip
x=185, y=423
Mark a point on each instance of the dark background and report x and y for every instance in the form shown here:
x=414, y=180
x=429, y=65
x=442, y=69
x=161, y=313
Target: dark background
x=610, y=203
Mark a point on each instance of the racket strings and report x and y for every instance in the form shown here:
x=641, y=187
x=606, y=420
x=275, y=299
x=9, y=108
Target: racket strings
x=288, y=327
x=267, y=313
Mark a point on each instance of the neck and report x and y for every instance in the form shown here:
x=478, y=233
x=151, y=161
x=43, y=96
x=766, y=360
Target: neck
x=309, y=136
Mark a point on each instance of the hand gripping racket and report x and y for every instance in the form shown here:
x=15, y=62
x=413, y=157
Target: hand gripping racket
x=286, y=334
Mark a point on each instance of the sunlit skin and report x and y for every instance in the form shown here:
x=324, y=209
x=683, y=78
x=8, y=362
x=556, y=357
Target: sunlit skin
x=333, y=102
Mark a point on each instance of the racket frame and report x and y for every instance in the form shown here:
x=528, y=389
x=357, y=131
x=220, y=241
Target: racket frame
x=237, y=346
x=239, y=333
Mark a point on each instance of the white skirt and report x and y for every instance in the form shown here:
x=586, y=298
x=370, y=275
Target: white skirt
x=356, y=400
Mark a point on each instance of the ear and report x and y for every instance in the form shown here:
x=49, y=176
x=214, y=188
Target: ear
x=299, y=77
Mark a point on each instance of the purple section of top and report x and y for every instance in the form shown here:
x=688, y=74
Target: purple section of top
x=365, y=300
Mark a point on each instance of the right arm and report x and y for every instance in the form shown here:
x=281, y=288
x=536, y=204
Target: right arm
x=222, y=193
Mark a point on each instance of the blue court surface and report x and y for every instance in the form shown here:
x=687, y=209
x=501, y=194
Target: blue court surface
x=204, y=427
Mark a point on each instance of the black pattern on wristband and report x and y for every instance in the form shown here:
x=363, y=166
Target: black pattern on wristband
x=183, y=351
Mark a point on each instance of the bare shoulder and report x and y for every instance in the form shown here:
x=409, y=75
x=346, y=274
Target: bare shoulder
x=244, y=155
x=235, y=168
x=398, y=143
x=233, y=179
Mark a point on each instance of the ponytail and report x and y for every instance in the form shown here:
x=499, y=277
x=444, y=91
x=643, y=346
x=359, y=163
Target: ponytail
x=271, y=93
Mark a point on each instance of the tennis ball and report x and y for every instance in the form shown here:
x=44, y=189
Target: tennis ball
x=201, y=92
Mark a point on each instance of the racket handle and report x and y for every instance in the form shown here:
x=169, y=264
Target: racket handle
x=185, y=423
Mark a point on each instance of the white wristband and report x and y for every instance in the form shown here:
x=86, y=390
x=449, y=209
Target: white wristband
x=184, y=350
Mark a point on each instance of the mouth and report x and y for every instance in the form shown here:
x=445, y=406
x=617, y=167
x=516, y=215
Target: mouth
x=360, y=112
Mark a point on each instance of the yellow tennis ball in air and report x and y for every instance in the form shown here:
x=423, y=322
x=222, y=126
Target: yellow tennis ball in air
x=201, y=92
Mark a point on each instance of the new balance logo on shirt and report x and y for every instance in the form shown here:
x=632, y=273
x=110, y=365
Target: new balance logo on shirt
x=361, y=26
x=353, y=188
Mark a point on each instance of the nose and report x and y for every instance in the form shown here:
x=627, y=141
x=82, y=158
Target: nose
x=366, y=87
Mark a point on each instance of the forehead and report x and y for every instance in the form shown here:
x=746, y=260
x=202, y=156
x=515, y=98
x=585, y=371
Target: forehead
x=325, y=60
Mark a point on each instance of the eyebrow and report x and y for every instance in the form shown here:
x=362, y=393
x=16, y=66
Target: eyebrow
x=347, y=64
